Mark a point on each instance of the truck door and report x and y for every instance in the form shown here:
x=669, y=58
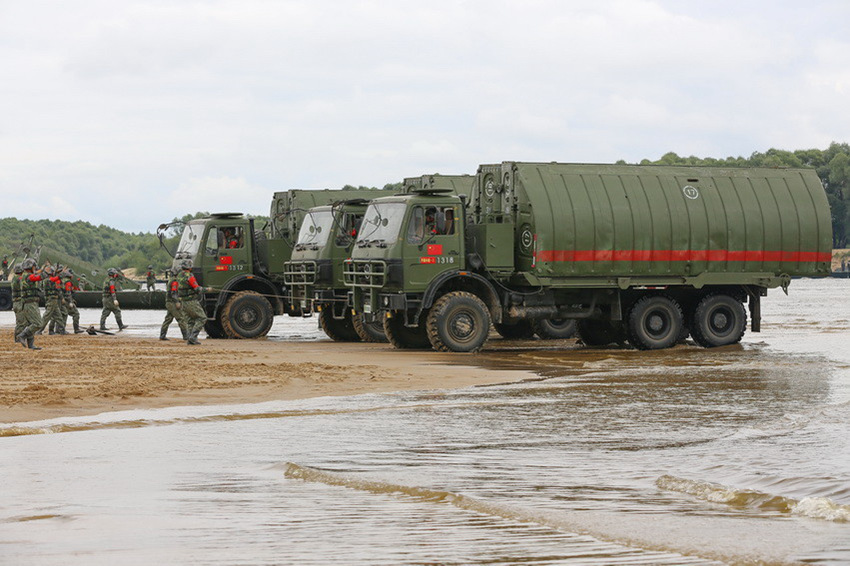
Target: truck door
x=227, y=251
x=432, y=244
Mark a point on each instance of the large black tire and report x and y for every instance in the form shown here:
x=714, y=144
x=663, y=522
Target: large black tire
x=246, y=315
x=522, y=330
x=554, y=328
x=719, y=320
x=595, y=332
x=338, y=329
x=654, y=322
x=458, y=322
x=214, y=329
x=369, y=331
x=404, y=337
x=5, y=300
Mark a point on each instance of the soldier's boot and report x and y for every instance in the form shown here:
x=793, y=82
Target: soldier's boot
x=31, y=344
x=162, y=335
x=22, y=338
x=193, y=338
x=51, y=329
x=121, y=325
x=60, y=329
x=77, y=329
x=103, y=323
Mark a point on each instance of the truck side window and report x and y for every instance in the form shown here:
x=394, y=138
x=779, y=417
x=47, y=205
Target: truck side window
x=230, y=237
x=416, y=228
x=211, y=247
x=445, y=221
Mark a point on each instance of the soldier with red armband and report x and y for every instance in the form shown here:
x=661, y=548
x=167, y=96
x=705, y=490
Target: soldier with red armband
x=188, y=297
x=110, y=300
x=29, y=296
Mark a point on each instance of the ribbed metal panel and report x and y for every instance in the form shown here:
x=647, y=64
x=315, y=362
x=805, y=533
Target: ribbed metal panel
x=621, y=220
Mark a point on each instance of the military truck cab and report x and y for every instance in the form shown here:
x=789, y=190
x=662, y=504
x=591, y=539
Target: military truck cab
x=409, y=248
x=314, y=274
x=242, y=299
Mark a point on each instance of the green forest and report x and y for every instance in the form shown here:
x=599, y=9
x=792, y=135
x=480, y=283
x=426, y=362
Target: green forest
x=94, y=248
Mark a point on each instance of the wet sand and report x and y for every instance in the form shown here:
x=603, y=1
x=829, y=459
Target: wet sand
x=84, y=375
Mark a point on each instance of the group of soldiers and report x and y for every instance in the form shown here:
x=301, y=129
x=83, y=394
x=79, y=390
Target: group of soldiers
x=183, y=302
x=57, y=286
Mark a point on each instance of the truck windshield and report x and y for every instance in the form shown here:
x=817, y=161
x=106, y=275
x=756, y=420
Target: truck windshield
x=381, y=223
x=190, y=241
x=315, y=228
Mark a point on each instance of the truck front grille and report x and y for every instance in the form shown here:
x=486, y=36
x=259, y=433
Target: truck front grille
x=365, y=273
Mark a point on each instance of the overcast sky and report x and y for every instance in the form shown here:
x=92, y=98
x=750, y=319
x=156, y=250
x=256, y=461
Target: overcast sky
x=129, y=113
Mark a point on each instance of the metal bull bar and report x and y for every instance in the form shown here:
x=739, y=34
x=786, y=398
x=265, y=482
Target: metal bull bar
x=365, y=273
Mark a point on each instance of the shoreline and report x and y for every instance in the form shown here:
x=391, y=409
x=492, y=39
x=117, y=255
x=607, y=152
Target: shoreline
x=82, y=375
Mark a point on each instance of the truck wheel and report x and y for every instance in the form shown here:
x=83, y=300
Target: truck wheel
x=458, y=322
x=368, y=331
x=719, y=320
x=406, y=338
x=246, y=314
x=519, y=331
x=5, y=300
x=554, y=328
x=599, y=332
x=214, y=329
x=654, y=322
x=338, y=329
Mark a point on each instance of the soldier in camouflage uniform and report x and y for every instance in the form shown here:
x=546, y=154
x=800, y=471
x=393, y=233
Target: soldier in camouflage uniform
x=172, y=312
x=18, y=300
x=29, y=296
x=70, y=303
x=150, y=278
x=110, y=300
x=53, y=302
x=188, y=294
x=5, y=267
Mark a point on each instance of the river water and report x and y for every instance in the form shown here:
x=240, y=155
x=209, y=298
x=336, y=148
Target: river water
x=688, y=456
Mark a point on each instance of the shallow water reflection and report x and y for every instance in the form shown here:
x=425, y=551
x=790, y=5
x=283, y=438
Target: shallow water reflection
x=738, y=455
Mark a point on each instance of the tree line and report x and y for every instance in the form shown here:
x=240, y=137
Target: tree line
x=104, y=246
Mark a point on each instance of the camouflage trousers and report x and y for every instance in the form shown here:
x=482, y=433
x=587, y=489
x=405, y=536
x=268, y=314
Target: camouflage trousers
x=32, y=318
x=53, y=314
x=20, y=321
x=194, y=317
x=172, y=313
x=109, y=306
x=72, y=311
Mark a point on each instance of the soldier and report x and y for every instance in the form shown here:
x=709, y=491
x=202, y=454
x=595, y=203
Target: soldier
x=70, y=303
x=29, y=296
x=53, y=301
x=110, y=300
x=172, y=312
x=150, y=278
x=5, y=267
x=17, y=299
x=187, y=292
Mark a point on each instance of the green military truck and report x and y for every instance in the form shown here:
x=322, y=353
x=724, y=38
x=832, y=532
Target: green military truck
x=314, y=274
x=641, y=254
x=241, y=267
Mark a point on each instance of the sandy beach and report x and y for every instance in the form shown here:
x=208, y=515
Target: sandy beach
x=83, y=375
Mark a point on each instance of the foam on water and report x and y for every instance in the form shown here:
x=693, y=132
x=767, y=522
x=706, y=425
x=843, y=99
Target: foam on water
x=812, y=507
